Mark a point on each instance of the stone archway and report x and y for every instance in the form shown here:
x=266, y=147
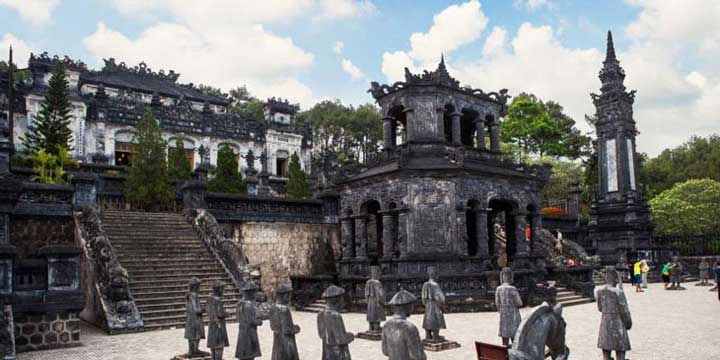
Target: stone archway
x=502, y=230
x=370, y=210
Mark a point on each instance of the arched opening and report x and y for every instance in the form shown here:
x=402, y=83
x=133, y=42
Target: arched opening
x=490, y=142
x=374, y=228
x=531, y=231
x=282, y=163
x=349, y=236
x=471, y=227
x=447, y=122
x=398, y=128
x=501, y=225
x=467, y=127
x=391, y=248
x=124, y=148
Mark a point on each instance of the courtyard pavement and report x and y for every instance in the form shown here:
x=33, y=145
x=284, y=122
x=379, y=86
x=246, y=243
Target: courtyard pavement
x=666, y=325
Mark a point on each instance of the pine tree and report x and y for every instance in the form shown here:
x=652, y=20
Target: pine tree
x=225, y=177
x=296, y=186
x=51, y=126
x=147, y=185
x=179, y=165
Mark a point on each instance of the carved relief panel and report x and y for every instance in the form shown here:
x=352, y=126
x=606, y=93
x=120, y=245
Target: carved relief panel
x=431, y=217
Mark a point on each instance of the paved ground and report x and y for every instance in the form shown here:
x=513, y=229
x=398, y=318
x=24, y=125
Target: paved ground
x=667, y=325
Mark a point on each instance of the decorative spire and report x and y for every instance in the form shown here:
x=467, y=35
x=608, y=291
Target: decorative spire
x=442, y=62
x=610, y=51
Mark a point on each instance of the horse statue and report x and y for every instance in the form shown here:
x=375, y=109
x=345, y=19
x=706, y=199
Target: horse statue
x=544, y=327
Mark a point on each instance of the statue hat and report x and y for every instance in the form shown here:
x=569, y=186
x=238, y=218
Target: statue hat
x=194, y=281
x=403, y=297
x=333, y=291
x=249, y=286
x=284, y=288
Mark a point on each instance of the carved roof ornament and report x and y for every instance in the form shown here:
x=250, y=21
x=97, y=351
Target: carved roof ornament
x=440, y=77
x=282, y=106
x=612, y=76
x=44, y=60
x=142, y=70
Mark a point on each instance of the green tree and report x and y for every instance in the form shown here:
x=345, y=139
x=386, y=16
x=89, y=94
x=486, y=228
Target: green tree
x=179, y=167
x=296, y=186
x=688, y=208
x=50, y=168
x=148, y=185
x=564, y=173
x=574, y=143
x=247, y=105
x=529, y=125
x=20, y=76
x=50, y=129
x=225, y=177
x=211, y=91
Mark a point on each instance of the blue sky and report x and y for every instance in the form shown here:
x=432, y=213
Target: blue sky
x=552, y=48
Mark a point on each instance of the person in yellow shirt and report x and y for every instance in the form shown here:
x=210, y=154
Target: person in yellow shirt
x=637, y=276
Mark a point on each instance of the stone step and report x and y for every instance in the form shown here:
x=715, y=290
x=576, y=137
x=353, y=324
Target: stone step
x=180, y=276
x=580, y=301
x=176, y=285
x=179, y=281
x=149, y=253
x=169, y=234
x=569, y=297
x=179, y=299
x=180, y=257
x=173, y=270
x=181, y=265
x=180, y=292
x=157, y=248
x=181, y=305
x=176, y=323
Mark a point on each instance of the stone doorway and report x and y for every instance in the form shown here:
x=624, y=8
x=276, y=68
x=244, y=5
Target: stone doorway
x=501, y=225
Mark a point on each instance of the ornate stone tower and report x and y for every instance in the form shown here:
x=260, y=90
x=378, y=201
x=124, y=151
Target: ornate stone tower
x=619, y=218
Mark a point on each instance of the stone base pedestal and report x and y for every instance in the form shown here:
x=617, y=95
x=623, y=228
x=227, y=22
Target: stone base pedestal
x=370, y=335
x=187, y=357
x=440, y=345
x=679, y=287
x=704, y=284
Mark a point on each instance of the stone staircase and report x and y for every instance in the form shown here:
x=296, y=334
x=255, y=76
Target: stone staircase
x=315, y=307
x=162, y=252
x=567, y=297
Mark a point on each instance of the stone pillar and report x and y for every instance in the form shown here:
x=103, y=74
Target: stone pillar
x=480, y=126
x=388, y=136
x=409, y=125
x=455, y=121
x=347, y=238
x=482, y=235
x=521, y=245
x=402, y=244
x=535, y=227
x=85, y=190
x=575, y=200
x=194, y=192
x=361, y=238
x=495, y=137
x=388, y=235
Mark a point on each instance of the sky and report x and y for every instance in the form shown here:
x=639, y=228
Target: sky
x=314, y=50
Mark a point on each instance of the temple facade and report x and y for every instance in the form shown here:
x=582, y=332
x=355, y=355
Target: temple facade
x=620, y=219
x=108, y=103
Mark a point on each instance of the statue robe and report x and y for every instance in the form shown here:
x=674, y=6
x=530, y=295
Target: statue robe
x=615, y=321
x=704, y=268
x=194, y=325
x=248, y=345
x=401, y=340
x=433, y=299
x=217, y=332
x=375, y=296
x=508, y=303
x=676, y=273
x=284, y=330
x=335, y=338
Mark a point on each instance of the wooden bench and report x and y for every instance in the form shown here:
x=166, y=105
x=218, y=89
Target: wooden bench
x=491, y=352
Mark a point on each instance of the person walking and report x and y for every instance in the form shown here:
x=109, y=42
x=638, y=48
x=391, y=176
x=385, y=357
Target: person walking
x=644, y=269
x=665, y=273
x=637, y=276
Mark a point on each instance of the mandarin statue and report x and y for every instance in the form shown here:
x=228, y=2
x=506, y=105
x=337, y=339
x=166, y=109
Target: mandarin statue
x=331, y=328
x=543, y=328
x=217, y=339
x=283, y=327
x=705, y=276
x=400, y=338
x=433, y=298
x=194, y=325
x=616, y=319
x=676, y=275
x=508, y=303
x=375, y=296
x=248, y=345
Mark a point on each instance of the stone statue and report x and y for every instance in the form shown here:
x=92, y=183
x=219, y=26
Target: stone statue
x=676, y=275
x=433, y=299
x=704, y=268
x=544, y=327
x=194, y=325
x=400, y=338
x=508, y=303
x=375, y=297
x=248, y=345
x=616, y=319
x=281, y=323
x=331, y=327
x=217, y=338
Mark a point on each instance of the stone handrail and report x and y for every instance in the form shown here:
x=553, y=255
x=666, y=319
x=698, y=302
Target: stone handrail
x=117, y=311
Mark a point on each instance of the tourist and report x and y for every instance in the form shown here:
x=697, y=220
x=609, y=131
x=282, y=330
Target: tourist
x=644, y=269
x=665, y=273
x=637, y=276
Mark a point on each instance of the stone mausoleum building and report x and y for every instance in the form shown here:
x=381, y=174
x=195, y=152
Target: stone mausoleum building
x=108, y=103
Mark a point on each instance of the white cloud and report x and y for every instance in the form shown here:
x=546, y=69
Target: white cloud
x=340, y=9
x=36, y=12
x=532, y=5
x=452, y=28
x=338, y=47
x=495, y=42
x=21, y=50
x=352, y=70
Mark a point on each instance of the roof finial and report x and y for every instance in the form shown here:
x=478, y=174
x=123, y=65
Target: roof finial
x=610, y=52
x=442, y=61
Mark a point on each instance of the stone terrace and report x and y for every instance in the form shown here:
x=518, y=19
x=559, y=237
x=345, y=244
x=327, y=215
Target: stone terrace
x=667, y=325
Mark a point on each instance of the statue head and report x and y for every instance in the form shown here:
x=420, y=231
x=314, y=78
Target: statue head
x=333, y=295
x=218, y=288
x=506, y=276
x=249, y=290
x=611, y=276
x=194, y=285
x=402, y=303
x=375, y=272
x=283, y=294
x=432, y=272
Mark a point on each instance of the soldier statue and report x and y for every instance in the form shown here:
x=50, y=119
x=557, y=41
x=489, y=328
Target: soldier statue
x=400, y=338
x=248, y=345
x=704, y=268
x=281, y=323
x=217, y=338
x=616, y=319
x=676, y=275
x=433, y=299
x=508, y=303
x=331, y=327
x=375, y=297
x=194, y=325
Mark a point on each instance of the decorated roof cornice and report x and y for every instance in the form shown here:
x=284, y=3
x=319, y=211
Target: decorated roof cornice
x=44, y=60
x=142, y=70
x=281, y=105
x=440, y=77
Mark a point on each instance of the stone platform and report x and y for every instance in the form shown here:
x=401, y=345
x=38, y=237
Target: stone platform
x=440, y=345
x=370, y=335
x=187, y=357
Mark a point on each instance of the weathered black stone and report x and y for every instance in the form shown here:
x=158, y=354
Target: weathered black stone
x=36, y=339
x=51, y=337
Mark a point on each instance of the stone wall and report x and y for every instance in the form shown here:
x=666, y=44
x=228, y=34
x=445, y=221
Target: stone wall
x=284, y=249
x=46, y=331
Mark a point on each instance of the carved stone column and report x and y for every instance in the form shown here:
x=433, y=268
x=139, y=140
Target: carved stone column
x=388, y=133
x=482, y=235
x=389, y=234
x=402, y=244
x=480, y=126
x=535, y=226
x=522, y=247
x=455, y=121
x=347, y=238
x=495, y=137
x=361, y=238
